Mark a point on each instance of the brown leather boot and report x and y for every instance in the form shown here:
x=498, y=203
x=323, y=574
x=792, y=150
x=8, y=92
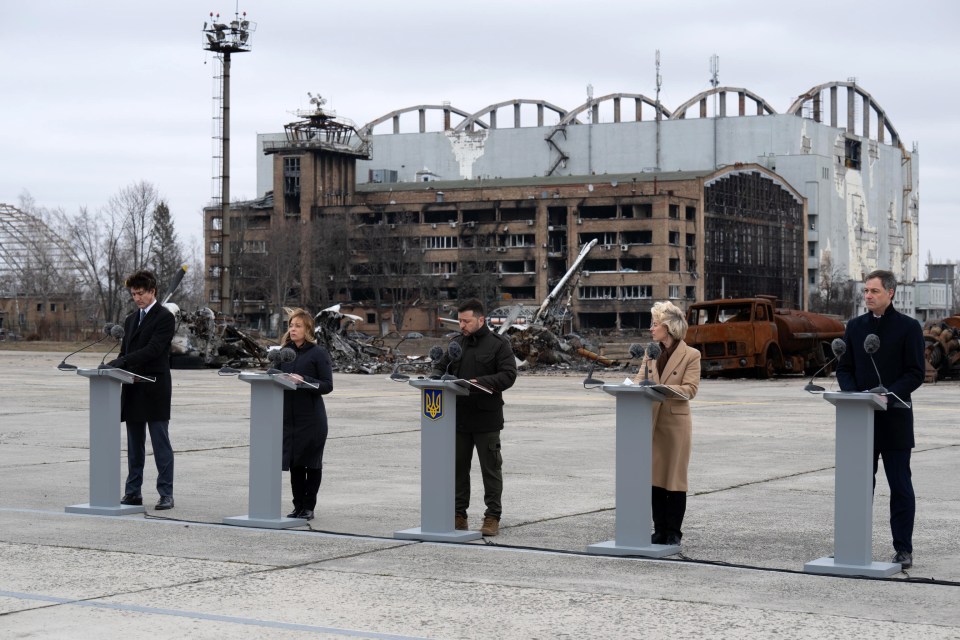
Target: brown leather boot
x=460, y=523
x=491, y=526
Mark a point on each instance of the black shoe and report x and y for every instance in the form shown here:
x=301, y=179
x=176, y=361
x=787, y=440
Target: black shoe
x=131, y=499
x=904, y=559
x=306, y=514
x=671, y=539
x=657, y=537
x=295, y=513
x=165, y=502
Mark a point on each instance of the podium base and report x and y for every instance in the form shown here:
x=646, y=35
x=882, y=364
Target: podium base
x=118, y=510
x=265, y=523
x=611, y=548
x=829, y=566
x=437, y=536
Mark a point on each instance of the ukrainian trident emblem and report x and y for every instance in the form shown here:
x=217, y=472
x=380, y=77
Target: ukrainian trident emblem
x=433, y=403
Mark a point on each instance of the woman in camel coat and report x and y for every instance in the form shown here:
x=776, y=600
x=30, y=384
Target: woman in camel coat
x=678, y=367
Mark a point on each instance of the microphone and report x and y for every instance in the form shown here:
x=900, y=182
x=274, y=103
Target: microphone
x=454, y=352
x=839, y=347
x=635, y=351
x=402, y=377
x=63, y=366
x=282, y=356
x=871, y=345
x=652, y=352
x=590, y=382
x=117, y=332
x=436, y=352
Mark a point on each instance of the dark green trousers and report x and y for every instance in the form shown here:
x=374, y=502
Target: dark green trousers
x=487, y=445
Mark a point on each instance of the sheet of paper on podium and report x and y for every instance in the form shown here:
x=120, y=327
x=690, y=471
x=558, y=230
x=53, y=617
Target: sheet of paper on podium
x=669, y=392
x=464, y=383
x=137, y=376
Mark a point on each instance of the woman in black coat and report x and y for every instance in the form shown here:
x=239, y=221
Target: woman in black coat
x=304, y=415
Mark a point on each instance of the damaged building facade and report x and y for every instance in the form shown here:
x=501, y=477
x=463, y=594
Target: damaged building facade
x=685, y=205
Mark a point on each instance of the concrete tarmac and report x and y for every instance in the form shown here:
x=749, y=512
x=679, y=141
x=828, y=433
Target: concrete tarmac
x=760, y=506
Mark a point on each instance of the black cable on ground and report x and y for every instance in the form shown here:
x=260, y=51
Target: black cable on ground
x=681, y=557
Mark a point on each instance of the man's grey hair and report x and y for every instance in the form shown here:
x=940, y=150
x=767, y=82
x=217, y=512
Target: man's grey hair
x=887, y=279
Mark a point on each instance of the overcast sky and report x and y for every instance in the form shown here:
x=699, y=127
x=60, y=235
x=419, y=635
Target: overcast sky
x=99, y=95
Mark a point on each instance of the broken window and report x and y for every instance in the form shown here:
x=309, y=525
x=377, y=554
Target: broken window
x=635, y=292
x=852, y=150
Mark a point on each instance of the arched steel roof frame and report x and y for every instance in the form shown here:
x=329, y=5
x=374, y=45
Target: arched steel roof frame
x=813, y=95
x=422, y=109
x=22, y=236
x=571, y=117
x=491, y=111
x=763, y=107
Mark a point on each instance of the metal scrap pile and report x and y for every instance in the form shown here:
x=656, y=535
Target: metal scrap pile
x=200, y=341
x=942, y=338
x=350, y=355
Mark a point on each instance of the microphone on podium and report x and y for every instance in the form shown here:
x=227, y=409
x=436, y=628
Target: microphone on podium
x=454, y=353
x=117, y=332
x=839, y=347
x=63, y=366
x=436, y=352
x=590, y=382
x=652, y=352
x=871, y=345
x=277, y=358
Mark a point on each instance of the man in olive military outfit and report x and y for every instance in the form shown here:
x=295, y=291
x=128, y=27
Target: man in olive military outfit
x=488, y=361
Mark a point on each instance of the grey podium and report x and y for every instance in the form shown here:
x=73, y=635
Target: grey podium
x=853, y=494
x=266, y=453
x=105, y=387
x=634, y=459
x=438, y=439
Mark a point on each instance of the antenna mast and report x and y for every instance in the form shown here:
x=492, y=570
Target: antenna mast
x=223, y=40
x=659, y=82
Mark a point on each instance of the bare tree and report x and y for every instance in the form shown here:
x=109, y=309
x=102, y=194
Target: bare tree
x=277, y=273
x=476, y=276
x=96, y=242
x=332, y=256
x=394, y=268
x=835, y=293
x=134, y=206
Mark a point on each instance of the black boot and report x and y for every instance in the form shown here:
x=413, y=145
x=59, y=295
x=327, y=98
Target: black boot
x=297, y=480
x=658, y=501
x=675, y=508
x=311, y=487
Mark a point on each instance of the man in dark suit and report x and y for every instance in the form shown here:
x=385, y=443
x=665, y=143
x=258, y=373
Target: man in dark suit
x=899, y=361
x=145, y=350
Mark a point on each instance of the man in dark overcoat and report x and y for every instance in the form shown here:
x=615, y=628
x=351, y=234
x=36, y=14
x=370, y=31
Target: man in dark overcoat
x=487, y=359
x=900, y=364
x=145, y=350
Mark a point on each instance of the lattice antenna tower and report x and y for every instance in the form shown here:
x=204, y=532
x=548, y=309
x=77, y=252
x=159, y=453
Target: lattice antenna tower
x=224, y=39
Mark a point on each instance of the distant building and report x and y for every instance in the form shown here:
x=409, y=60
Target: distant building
x=744, y=202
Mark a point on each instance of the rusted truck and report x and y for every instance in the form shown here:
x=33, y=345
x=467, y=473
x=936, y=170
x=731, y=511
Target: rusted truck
x=942, y=338
x=751, y=336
